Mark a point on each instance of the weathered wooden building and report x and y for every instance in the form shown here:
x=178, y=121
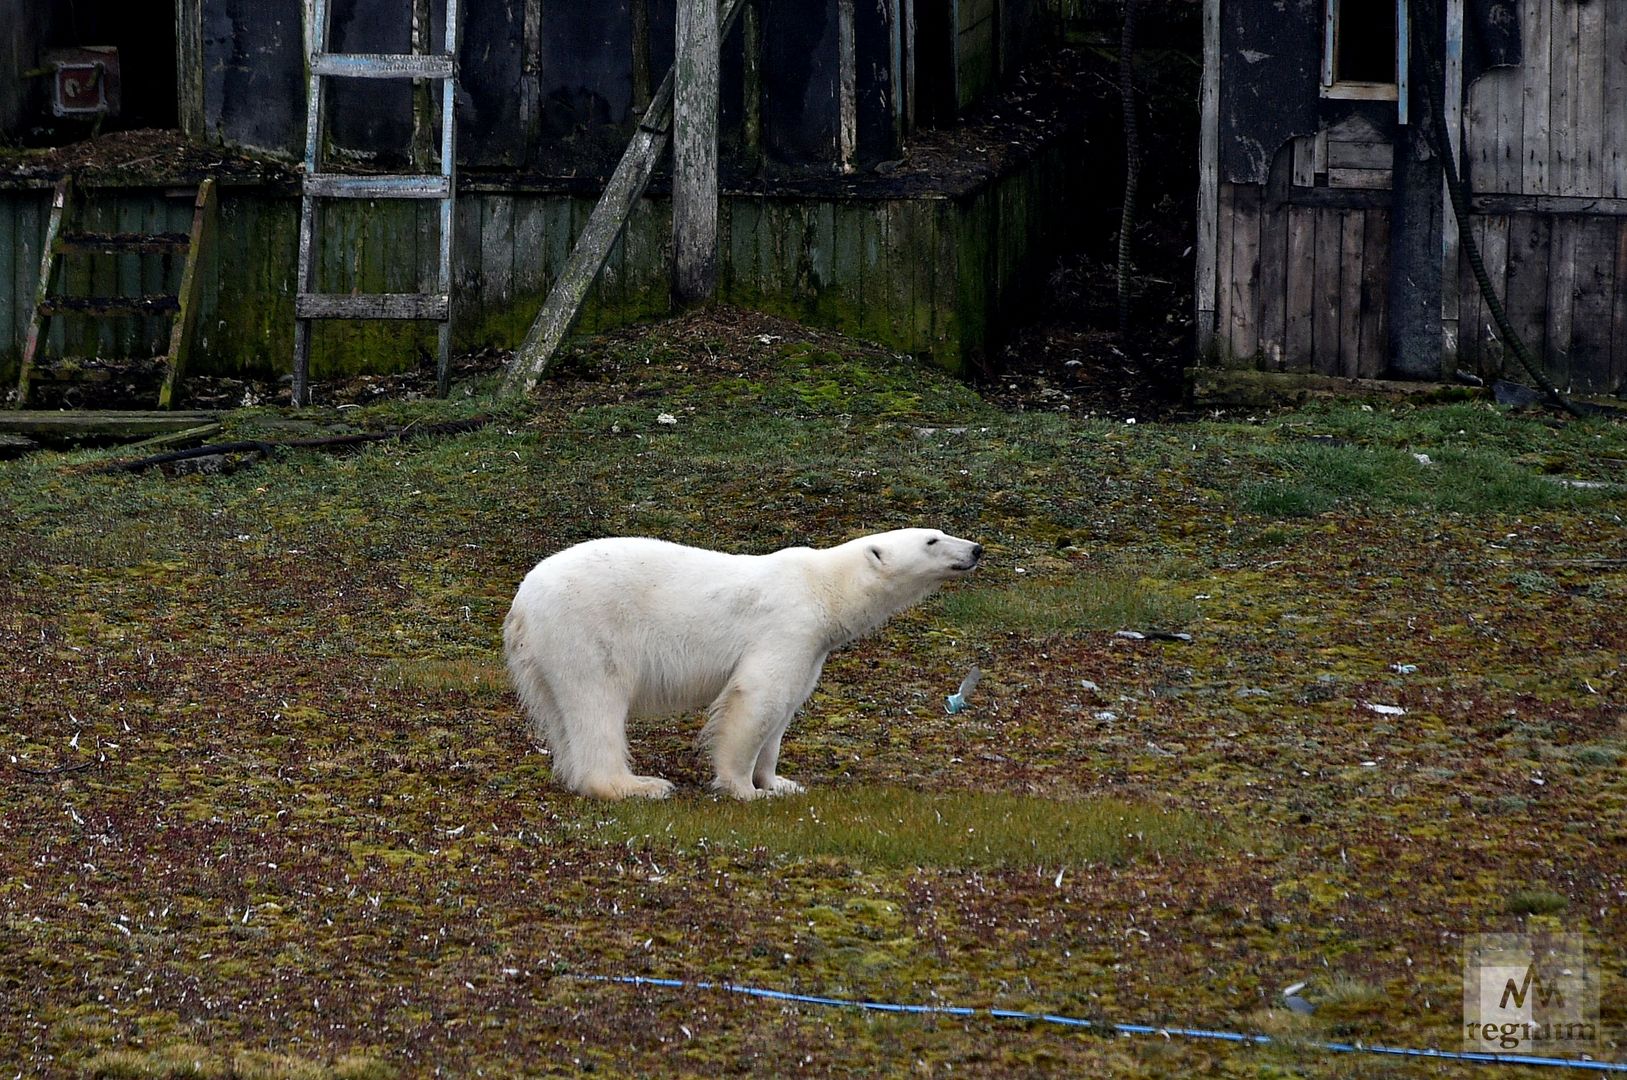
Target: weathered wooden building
x=1312, y=181
x=824, y=217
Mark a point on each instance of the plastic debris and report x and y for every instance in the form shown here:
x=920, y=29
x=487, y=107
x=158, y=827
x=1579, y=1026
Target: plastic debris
x=957, y=701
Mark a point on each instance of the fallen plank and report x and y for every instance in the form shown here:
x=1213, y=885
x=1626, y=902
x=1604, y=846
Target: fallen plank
x=68, y=426
x=265, y=447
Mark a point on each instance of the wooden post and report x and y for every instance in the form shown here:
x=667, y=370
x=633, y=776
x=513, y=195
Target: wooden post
x=641, y=56
x=753, y=80
x=1208, y=178
x=189, y=67
x=587, y=258
x=694, y=154
x=1453, y=111
x=1415, y=228
x=423, y=98
x=847, y=87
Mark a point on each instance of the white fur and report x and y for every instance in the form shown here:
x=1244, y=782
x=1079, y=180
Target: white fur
x=632, y=626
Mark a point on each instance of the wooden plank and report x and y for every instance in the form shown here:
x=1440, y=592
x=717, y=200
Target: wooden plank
x=42, y=286
x=1481, y=139
x=133, y=242
x=181, y=330
x=371, y=306
x=1549, y=204
x=497, y=252
x=1527, y=297
x=1325, y=290
x=1204, y=300
x=1562, y=99
x=189, y=68
x=1618, y=314
x=1561, y=299
x=1534, y=102
x=847, y=82
x=1373, y=352
x=11, y=326
x=1352, y=229
x=316, y=29
x=1470, y=307
x=1300, y=289
x=1587, y=60
x=449, y=169
x=1453, y=114
x=102, y=335
x=625, y=187
x=1223, y=273
x=1273, y=283
x=63, y=424
x=1245, y=332
x=1594, y=286
x=1304, y=169
x=530, y=274
x=109, y=306
x=377, y=186
x=1361, y=154
x=1614, y=154
x=1494, y=254
x=1510, y=130
x=1371, y=179
x=695, y=153
x=384, y=65
x=26, y=216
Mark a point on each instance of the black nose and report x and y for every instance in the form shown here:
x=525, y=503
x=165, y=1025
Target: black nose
x=977, y=552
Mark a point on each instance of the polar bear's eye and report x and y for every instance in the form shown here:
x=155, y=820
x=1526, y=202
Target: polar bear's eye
x=934, y=540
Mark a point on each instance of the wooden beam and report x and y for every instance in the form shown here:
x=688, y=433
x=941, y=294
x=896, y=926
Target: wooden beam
x=189, y=67
x=1452, y=102
x=191, y=291
x=621, y=194
x=694, y=154
x=87, y=425
x=371, y=306
x=847, y=88
x=1208, y=177
x=33, y=344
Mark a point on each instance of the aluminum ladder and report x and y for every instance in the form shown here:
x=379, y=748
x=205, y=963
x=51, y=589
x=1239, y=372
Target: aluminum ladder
x=429, y=306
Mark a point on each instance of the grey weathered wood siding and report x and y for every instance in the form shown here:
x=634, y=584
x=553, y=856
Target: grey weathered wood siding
x=1301, y=261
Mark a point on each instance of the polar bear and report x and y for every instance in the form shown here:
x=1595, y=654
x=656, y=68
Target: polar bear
x=633, y=626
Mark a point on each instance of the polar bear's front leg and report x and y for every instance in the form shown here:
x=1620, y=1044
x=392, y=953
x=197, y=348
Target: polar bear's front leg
x=747, y=722
x=763, y=776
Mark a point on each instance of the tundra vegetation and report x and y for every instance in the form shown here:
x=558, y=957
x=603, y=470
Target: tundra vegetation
x=270, y=809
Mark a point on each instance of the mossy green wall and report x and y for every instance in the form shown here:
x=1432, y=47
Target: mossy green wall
x=930, y=275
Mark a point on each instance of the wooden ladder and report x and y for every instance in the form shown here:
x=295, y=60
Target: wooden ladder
x=431, y=306
x=62, y=240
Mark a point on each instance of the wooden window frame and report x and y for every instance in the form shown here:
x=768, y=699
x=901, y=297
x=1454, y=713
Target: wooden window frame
x=1353, y=90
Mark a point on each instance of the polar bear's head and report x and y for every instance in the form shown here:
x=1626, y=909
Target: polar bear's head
x=923, y=557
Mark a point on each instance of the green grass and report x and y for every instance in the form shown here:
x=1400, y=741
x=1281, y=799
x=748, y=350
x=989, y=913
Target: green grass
x=1305, y=479
x=1535, y=902
x=1110, y=602
x=895, y=827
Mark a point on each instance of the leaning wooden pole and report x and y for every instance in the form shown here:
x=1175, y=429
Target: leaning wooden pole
x=592, y=248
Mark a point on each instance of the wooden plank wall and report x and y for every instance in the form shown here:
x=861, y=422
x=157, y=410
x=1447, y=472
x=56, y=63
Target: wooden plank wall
x=1300, y=282
x=927, y=275
x=1554, y=125
x=1301, y=288
x=1547, y=150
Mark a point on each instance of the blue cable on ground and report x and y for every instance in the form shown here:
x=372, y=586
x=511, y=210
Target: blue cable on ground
x=1122, y=1029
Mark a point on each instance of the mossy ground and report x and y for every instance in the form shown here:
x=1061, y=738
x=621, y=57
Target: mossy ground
x=270, y=809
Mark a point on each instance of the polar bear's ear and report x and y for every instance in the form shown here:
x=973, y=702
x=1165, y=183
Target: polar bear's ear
x=875, y=553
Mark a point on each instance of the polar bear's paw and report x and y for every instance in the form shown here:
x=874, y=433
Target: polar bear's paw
x=742, y=790
x=781, y=785
x=630, y=787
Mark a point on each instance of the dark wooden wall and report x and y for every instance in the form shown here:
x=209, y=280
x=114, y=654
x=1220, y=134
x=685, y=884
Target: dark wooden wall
x=1301, y=261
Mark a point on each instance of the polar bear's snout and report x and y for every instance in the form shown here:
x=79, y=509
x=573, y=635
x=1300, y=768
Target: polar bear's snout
x=973, y=559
